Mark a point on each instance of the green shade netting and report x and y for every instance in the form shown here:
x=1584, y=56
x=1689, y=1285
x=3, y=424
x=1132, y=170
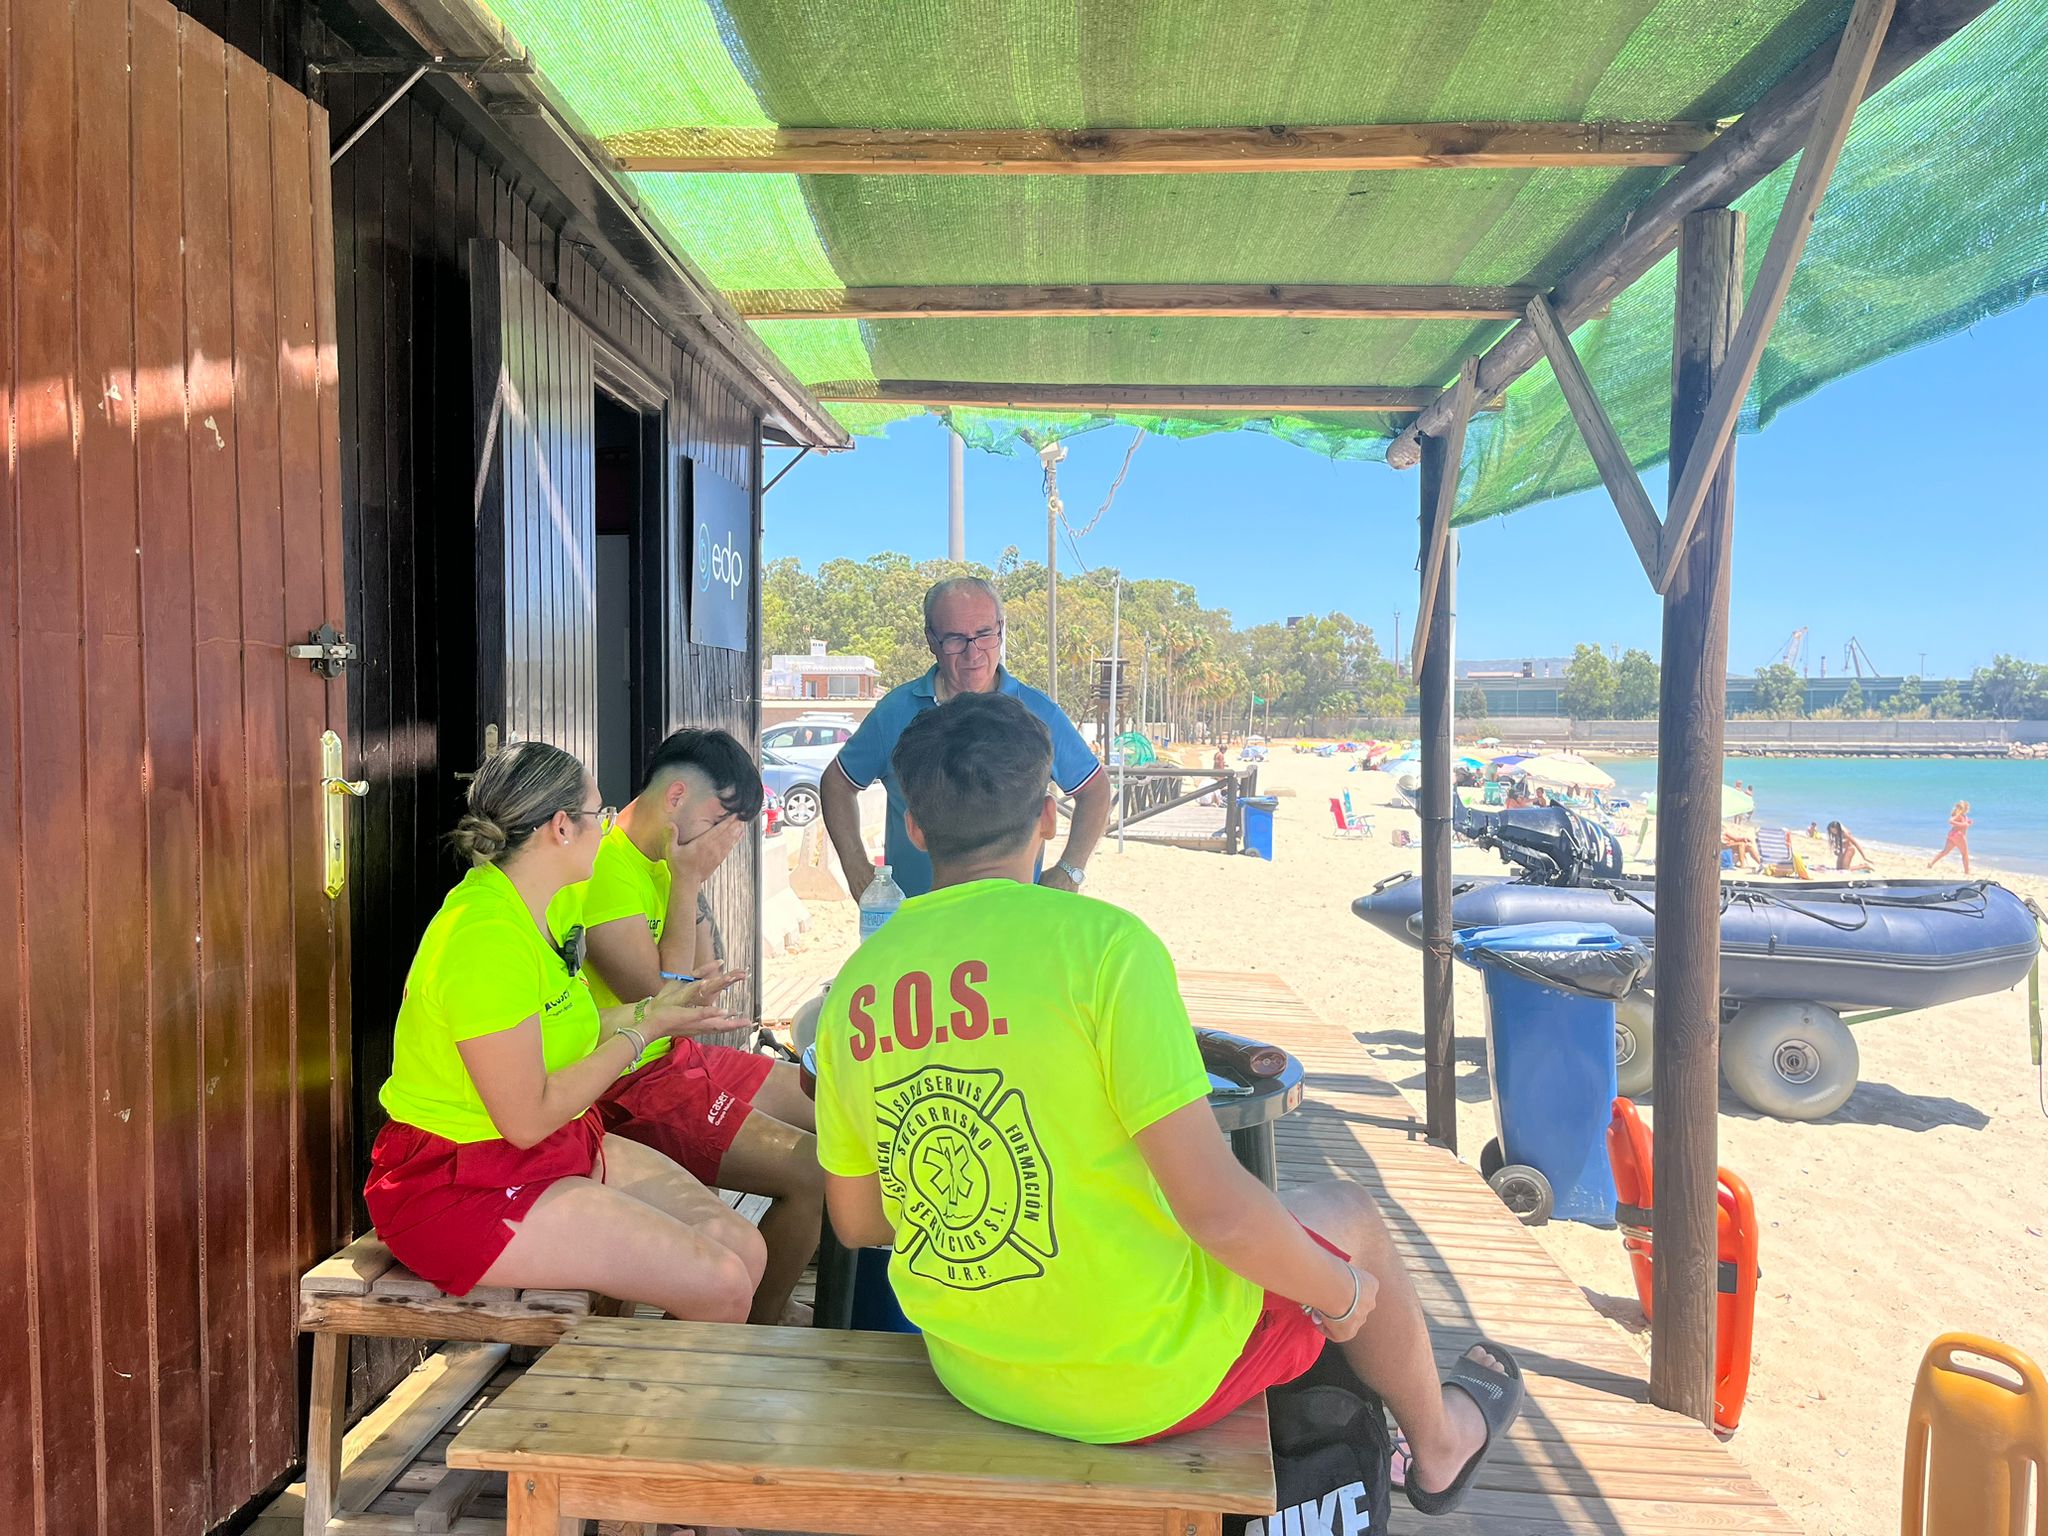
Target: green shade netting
x=1935, y=217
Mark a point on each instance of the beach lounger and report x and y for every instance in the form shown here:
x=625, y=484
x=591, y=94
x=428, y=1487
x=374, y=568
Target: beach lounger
x=1774, y=847
x=1349, y=825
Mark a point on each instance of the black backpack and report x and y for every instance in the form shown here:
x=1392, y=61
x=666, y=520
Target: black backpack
x=1331, y=1456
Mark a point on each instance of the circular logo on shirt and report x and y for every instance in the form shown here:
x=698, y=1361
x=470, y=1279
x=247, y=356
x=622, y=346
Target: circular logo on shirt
x=960, y=1158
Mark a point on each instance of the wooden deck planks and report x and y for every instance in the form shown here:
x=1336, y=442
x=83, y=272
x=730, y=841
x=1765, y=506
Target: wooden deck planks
x=1590, y=1454
x=793, y=981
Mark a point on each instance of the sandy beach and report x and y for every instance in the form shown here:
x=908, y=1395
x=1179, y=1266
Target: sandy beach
x=1919, y=1207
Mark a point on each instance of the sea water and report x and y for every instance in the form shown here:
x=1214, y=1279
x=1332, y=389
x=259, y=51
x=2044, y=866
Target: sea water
x=1897, y=800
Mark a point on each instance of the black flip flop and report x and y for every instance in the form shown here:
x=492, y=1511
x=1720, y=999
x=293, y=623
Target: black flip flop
x=1498, y=1394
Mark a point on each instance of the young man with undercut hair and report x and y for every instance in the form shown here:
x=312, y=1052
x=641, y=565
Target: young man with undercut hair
x=734, y=1119
x=1010, y=1094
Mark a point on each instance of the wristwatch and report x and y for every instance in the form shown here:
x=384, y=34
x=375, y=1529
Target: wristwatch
x=1074, y=873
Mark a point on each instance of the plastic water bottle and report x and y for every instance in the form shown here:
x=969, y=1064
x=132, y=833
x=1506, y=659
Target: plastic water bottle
x=878, y=903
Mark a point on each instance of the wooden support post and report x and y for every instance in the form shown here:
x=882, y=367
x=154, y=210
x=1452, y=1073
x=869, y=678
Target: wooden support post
x=325, y=1423
x=533, y=1506
x=1439, y=1020
x=1437, y=510
x=1690, y=721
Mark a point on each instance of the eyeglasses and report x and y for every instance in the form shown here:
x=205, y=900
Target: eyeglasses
x=981, y=639
x=571, y=949
x=605, y=814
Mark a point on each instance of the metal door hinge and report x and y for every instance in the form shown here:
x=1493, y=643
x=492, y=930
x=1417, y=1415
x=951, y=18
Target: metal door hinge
x=327, y=649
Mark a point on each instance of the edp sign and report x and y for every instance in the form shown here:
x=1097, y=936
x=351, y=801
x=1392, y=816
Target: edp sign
x=721, y=557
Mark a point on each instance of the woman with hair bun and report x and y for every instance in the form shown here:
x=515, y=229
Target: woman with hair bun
x=495, y=1169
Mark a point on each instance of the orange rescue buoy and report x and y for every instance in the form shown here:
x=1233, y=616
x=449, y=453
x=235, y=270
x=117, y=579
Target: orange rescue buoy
x=1628, y=1149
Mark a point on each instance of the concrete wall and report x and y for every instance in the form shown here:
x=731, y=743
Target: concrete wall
x=1748, y=734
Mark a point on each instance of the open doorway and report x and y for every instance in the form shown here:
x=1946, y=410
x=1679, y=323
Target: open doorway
x=629, y=562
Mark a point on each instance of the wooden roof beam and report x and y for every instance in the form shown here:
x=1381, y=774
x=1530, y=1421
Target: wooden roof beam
x=1173, y=398
x=1770, y=133
x=1847, y=81
x=1638, y=516
x=989, y=301
x=1155, y=151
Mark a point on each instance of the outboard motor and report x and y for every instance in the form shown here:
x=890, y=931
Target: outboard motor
x=1548, y=843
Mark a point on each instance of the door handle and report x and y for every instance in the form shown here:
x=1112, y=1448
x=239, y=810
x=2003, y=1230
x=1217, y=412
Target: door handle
x=336, y=792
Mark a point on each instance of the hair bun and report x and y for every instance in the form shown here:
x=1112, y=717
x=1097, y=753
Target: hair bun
x=479, y=837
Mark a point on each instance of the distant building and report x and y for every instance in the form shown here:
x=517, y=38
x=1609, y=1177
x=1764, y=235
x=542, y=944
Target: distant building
x=821, y=675
x=1524, y=666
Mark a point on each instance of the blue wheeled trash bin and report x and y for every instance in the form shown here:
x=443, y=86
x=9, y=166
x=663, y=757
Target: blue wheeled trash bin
x=1258, y=823
x=1550, y=993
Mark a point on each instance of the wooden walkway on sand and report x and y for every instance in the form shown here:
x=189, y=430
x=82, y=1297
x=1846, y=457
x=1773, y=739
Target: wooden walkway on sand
x=1590, y=1453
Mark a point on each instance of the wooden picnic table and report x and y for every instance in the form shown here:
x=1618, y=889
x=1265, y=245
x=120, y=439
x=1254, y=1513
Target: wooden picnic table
x=639, y=1419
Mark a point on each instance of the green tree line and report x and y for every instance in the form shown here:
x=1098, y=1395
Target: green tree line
x=1597, y=688
x=2008, y=689
x=1319, y=671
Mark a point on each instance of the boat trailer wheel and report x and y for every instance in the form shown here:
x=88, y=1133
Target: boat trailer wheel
x=1797, y=1061
x=1635, y=1067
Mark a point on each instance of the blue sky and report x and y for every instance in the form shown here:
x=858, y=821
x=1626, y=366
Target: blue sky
x=1906, y=505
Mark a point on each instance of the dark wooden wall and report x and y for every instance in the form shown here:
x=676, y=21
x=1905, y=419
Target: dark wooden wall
x=536, y=508
x=173, y=985
x=408, y=200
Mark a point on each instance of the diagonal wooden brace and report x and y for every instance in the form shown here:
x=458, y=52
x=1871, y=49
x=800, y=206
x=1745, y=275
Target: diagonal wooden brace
x=1861, y=40
x=1446, y=497
x=1645, y=531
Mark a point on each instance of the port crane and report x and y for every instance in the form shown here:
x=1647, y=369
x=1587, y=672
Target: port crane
x=1853, y=655
x=1792, y=651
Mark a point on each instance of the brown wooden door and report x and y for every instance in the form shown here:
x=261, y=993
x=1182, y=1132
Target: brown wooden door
x=173, y=994
x=536, y=509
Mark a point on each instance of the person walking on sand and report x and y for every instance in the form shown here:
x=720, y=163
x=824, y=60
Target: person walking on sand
x=1848, y=852
x=1958, y=836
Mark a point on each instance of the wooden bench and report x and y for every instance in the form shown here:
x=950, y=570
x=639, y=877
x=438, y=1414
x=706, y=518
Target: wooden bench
x=643, y=1420
x=363, y=1292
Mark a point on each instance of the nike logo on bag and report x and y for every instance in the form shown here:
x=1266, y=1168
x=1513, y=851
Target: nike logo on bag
x=1346, y=1512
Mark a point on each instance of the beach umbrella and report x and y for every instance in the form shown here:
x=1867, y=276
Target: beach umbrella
x=1560, y=770
x=1474, y=763
x=1734, y=802
x=1509, y=759
x=1489, y=741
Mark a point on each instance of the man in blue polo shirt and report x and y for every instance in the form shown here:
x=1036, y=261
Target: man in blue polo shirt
x=963, y=625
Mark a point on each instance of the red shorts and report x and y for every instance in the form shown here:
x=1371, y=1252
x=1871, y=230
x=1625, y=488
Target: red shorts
x=441, y=1206
x=1284, y=1343
x=689, y=1104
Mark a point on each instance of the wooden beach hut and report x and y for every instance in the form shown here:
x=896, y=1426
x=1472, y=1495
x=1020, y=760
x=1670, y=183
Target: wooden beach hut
x=400, y=370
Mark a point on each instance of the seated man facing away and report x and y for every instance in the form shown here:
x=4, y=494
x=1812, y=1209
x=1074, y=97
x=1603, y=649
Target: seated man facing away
x=1010, y=1093
x=734, y=1119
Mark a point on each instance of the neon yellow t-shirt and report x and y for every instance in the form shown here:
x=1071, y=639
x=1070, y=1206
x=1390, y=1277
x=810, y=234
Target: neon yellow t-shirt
x=623, y=882
x=482, y=967
x=991, y=1053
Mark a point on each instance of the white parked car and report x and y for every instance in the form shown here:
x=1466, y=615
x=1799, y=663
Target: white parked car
x=812, y=740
